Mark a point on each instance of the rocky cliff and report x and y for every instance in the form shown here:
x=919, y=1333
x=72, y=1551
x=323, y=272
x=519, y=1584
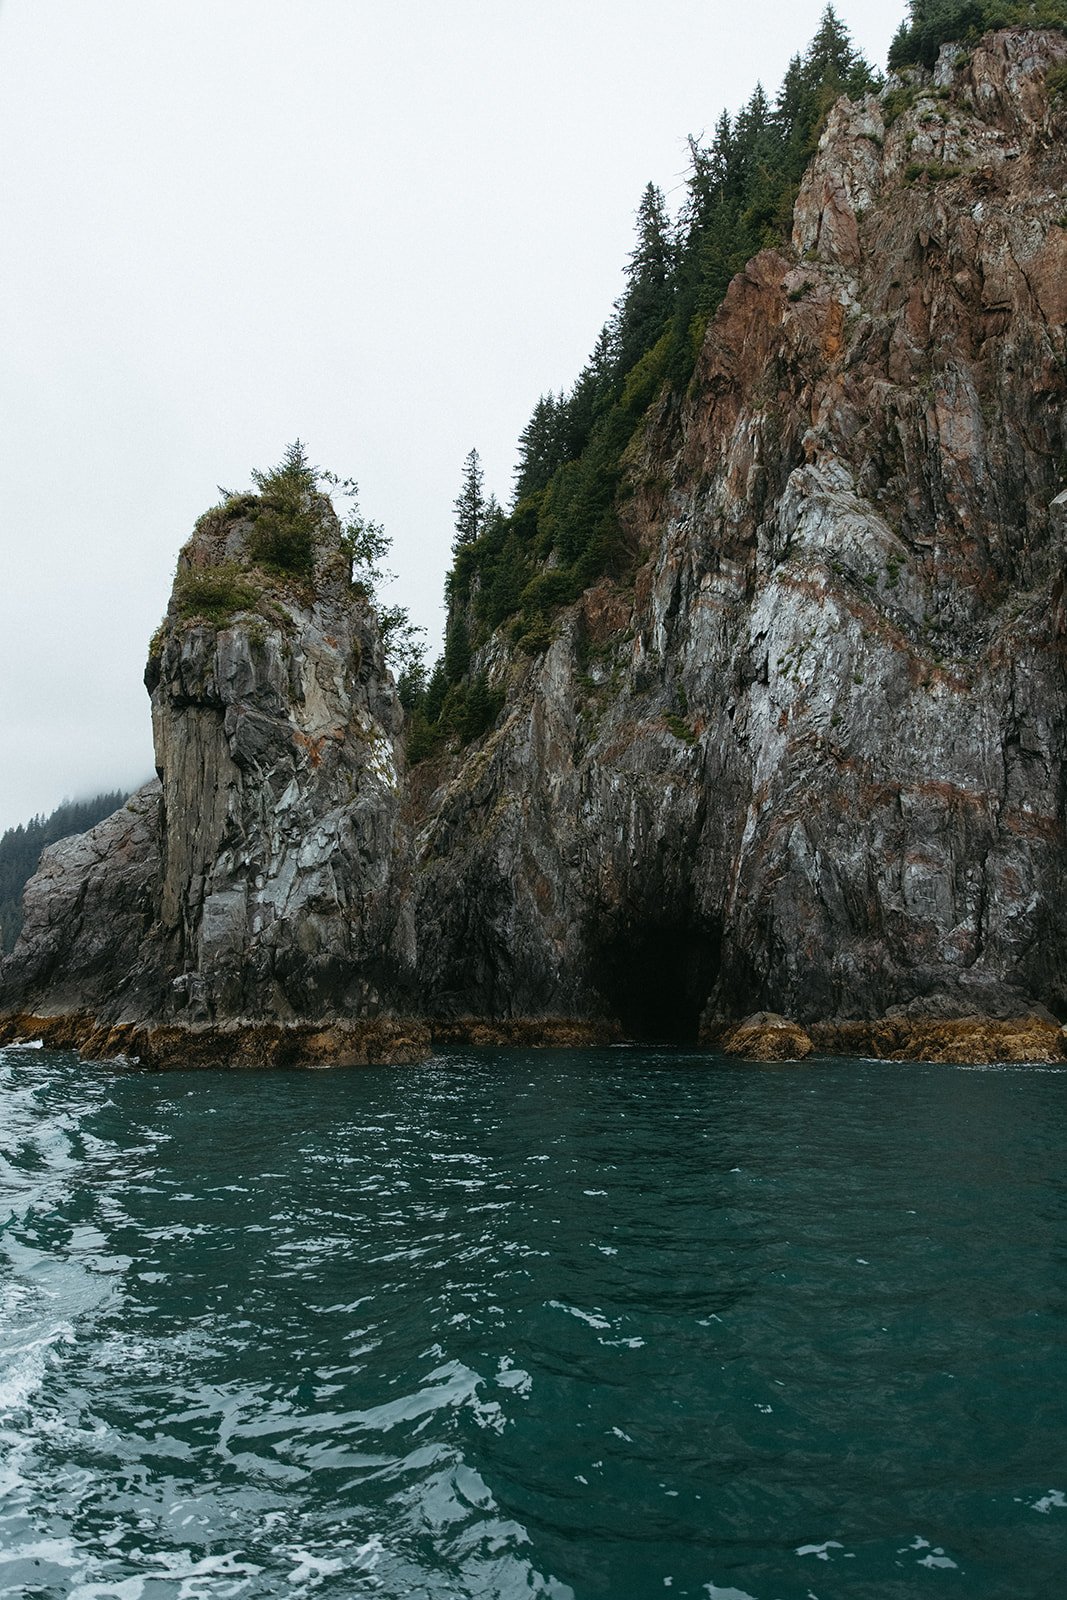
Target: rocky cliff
x=814, y=761
x=265, y=875
x=810, y=762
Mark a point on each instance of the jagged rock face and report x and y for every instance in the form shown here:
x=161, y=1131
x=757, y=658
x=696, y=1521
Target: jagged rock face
x=88, y=935
x=815, y=762
x=264, y=875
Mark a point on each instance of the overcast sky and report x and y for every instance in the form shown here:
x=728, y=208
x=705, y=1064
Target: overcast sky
x=383, y=226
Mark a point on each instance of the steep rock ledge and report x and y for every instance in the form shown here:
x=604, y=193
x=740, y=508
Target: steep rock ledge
x=814, y=763
x=284, y=851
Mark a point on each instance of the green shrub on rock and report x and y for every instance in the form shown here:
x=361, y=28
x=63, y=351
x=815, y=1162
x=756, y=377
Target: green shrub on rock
x=287, y=515
x=213, y=594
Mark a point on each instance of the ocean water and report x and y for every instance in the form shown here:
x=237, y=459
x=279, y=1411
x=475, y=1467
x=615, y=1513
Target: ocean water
x=573, y=1324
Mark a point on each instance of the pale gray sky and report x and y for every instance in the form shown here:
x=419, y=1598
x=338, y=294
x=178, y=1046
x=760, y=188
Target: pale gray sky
x=383, y=227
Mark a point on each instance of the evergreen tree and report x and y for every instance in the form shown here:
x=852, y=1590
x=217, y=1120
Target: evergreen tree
x=646, y=303
x=287, y=515
x=469, y=505
x=829, y=68
x=493, y=514
x=457, y=657
x=411, y=681
x=594, y=390
x=832, y=61
x=294, y=470
x=933, y=23
x=436, y=689
x=540, y=447
x=479, y=710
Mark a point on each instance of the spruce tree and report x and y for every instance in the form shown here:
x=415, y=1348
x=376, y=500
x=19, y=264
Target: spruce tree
x=457, y=657
x=540, y=446
x=645, y=306
x=469, y=504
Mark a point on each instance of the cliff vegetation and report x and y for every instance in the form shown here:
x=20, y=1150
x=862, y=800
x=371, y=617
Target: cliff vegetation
x=563, y=531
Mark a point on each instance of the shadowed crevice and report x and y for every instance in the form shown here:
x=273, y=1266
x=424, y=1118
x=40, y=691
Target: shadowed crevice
x=656, y=978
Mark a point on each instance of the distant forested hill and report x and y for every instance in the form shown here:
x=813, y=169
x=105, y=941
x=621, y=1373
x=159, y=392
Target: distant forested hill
x=20, y=851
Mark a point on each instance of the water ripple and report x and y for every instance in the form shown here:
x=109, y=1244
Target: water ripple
x=613, y=1324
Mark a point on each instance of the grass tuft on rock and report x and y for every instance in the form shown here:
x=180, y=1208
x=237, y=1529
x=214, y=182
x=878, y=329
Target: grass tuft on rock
x=213, y=594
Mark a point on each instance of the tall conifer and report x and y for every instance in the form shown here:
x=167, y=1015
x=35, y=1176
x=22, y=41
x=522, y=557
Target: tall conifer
x=469, y=504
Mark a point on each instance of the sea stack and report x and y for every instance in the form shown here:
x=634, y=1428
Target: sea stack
x=262, y=879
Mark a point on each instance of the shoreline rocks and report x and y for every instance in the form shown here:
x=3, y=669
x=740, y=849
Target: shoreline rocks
x=975, y=1040
x=763, y=1038
x=233, y=1044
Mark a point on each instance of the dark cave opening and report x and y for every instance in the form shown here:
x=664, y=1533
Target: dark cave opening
x=656, y=978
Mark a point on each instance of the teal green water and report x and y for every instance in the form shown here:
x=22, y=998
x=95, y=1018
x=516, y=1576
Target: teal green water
x=616, y=1323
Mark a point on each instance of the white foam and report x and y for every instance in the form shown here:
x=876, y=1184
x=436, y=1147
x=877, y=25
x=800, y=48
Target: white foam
x=1054, y=1500
x=594, y=1319
x=87, y=1574
x=310, y=1567
x=516, y=1378
x=121, y=1589
x=24, y=1370
x=191, y=1575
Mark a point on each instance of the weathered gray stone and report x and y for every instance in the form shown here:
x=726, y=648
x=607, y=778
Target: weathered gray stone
x=90, y=936
x=851, y=608
x=269, y=863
